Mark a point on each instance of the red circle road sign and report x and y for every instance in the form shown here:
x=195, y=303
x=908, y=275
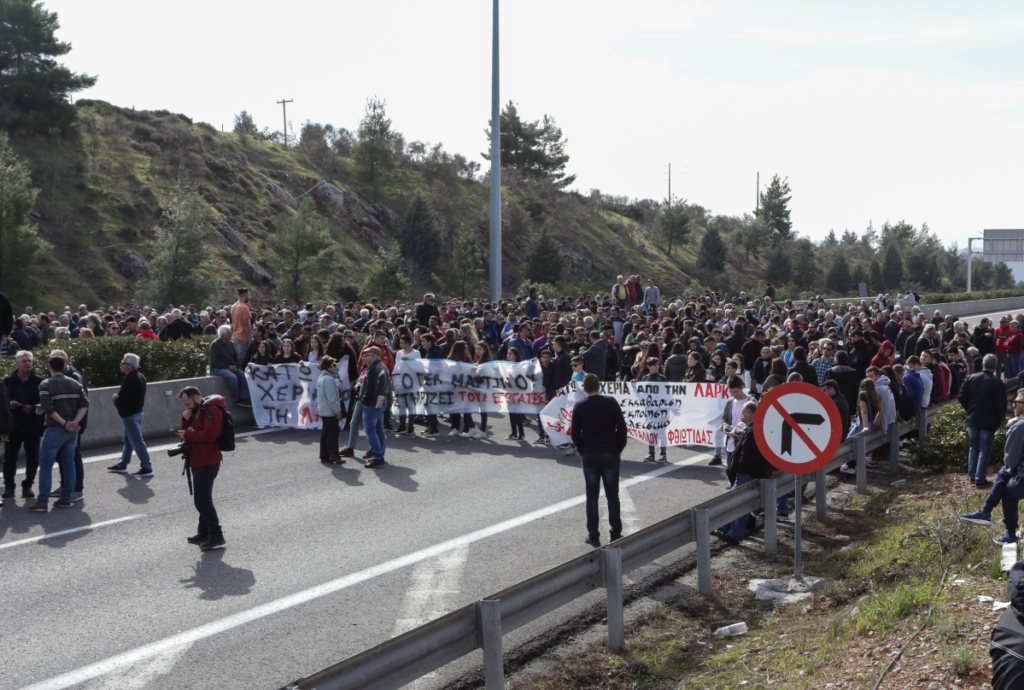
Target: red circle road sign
x=797, y=427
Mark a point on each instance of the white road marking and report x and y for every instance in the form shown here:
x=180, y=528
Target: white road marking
x=155, y=449
x=627, y=512
x=139, y=676
x=433, y=587
x=70, y=531
x=126, y=659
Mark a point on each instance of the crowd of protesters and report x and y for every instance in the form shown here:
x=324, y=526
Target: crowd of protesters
x=879, y=359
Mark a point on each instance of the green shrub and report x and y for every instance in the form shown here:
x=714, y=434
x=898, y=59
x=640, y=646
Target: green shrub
x=943, y=298
x=97, y=359
x=946, y=446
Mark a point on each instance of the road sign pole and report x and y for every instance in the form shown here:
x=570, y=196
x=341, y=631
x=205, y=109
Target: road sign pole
x=798, y=570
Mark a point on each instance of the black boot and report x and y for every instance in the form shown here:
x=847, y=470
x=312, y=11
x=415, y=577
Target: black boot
x=215, y=541
x=26, y=490
x=198, y=538
x=715, y=461
x=8, y=492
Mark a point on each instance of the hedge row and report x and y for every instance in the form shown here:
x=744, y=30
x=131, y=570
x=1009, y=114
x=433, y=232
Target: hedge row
x=98, y=359
x=946, y=446
x=943, y=298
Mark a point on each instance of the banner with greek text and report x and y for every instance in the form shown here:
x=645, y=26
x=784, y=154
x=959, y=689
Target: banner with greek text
x=284, y=395
x=439, y=386
x=658, y=414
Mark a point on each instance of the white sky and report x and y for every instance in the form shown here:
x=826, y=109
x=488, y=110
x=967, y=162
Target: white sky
x=873, y=110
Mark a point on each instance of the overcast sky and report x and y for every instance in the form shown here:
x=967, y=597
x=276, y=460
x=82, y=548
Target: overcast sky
x=874, y=110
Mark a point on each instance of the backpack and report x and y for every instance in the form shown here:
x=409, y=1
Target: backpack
x=226, y=441
x=906, y=410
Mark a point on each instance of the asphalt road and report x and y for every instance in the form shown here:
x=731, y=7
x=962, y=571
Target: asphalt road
x=321, y=563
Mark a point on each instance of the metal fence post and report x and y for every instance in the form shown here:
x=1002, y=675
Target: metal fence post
x=488, y=616
x=861, y=456
x=700, y=522
x=612, y=564
x=894, y=447
x=922, y=424
x=820, y=499
x=771, y=530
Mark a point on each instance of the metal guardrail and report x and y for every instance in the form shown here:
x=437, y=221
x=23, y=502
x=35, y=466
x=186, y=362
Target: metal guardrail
x=425, y=649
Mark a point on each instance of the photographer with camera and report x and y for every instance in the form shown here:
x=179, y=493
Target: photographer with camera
x=201, y=426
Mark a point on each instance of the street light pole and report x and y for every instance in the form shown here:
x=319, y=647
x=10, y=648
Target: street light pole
x=495, y=168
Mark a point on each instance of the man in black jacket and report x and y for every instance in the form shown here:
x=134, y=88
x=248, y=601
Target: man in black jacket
x=984, y=398
x=832, y=389
x=746, y=464
x=751, y=350
x=846, y=378
x=373, y=394
x=23, y=392
x=426, y=310
x=1007, y=646
x=429, y=350
x=129, y=400
x=801, y=366
x=599, y=432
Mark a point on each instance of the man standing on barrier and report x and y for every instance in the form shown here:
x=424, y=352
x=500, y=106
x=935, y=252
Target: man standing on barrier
x=201, y=425
x=599, y=432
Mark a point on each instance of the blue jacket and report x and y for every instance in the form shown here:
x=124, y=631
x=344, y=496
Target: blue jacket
x=912, y=380
x=1014, y=445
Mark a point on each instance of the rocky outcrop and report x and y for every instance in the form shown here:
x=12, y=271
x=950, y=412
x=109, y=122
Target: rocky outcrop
x=131, y=265
x=230, y=236
x=362, y=220
x=281, y=195
x=257, y=274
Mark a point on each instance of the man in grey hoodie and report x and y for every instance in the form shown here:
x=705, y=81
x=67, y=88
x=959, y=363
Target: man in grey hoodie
x=1009, y=485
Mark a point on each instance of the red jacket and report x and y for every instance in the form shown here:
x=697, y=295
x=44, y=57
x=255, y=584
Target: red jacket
x=1002, y=335
x=881, y=359
x=632, y=291
x=1015, y=343
x=202, y=430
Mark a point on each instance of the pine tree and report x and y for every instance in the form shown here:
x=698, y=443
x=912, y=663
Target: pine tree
x=303, y=252
x=465, y=273
x=373, y=155
x=673, y=224
x=421, y=238
x=779, y=270
x=774, y=209
x=177, y=271
x=544, y=260
x=1002, y=276
x=35, y=89
x=534, y=148
x=712, y=253
x=750, y=235
x=849, y=238
x=830, y=239
x=837, y=278
x=20, y=245
x=386, y=281
x=892, y=268
x=804, y=268
x=875, y=282
x=859, y=276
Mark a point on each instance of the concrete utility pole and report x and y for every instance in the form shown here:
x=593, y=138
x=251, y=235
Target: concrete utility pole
x=757, y=204
x=284, y=114
x=670, y=185
x=495, y=167
x=970, y=255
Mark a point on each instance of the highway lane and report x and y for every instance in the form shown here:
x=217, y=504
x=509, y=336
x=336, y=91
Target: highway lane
x=321, y=563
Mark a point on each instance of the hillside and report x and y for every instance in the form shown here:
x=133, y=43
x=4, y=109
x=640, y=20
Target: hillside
x=101, y=186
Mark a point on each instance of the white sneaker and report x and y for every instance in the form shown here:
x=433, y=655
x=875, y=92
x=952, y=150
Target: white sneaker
x=571, y=451
x=453, y=432
x=466, y=434
x=476, y=433
x=870, y=465
x=846, y=469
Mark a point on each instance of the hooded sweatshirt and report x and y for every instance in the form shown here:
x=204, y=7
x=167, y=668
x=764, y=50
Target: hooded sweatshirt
x=888, y=401
x=884, y=356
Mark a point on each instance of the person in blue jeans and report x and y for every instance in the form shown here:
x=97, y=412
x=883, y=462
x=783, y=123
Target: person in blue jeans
x=1009, y=485
x=374, y=395
x=130, y=400
x=224, y=363
x=64, y=405
x=599, y=432
x=746, y=464
x=983, y=397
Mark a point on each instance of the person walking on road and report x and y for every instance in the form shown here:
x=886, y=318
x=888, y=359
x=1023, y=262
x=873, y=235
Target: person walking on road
x=599, y=432
x=130, y=400
x=23, y=392
x=328, y=402
x=983, y=397
x=64, y=404
x=201, y=426
x=374, y=396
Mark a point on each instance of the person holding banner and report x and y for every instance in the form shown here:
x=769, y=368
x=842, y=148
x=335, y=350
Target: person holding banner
x=331, y=412
x=599, y=431
x=406, y=352
x=373, y=396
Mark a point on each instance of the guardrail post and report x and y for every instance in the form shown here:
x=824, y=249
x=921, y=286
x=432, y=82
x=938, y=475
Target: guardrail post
x=820, y=499
x=768, y=488
x=922, y=424
x=612, y=564
x=861, y=456
x=488, y=617
x=894, y=447
x=700, y=522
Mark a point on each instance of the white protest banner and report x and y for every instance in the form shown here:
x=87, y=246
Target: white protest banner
x=658, y=414
x=440, y=386
x=285, y=394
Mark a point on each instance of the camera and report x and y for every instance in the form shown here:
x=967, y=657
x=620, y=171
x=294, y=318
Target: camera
x=183, y=449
